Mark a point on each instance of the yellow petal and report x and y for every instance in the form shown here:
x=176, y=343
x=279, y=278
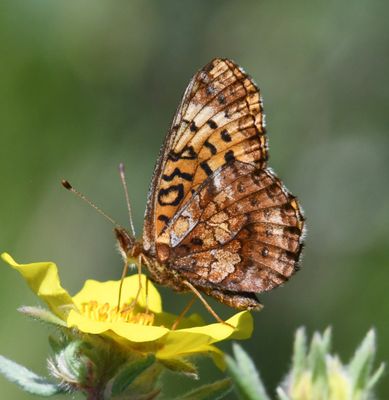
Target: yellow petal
x=191, y=340
x=43, y=279
x=107, y=292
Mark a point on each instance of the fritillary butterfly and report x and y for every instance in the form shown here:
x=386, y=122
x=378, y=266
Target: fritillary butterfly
x=217, y=219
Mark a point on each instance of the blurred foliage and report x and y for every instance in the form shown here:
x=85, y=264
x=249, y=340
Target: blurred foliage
x=315, y=373
x=85, y=85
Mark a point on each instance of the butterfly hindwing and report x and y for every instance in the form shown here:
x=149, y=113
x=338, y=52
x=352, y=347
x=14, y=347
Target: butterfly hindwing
x=241, y=231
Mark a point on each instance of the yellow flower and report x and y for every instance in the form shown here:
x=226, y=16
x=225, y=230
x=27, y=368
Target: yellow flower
x=94, y=310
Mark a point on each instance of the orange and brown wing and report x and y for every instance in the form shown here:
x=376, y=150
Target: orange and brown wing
x=240, y=232
x=219, y=120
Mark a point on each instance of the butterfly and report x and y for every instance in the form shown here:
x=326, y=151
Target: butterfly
x=218, y=220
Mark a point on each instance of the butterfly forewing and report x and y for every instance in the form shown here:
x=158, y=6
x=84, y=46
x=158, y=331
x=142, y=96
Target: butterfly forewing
x=219, y=121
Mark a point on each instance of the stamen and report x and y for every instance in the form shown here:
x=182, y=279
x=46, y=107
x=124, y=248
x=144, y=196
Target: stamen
x=107, y=313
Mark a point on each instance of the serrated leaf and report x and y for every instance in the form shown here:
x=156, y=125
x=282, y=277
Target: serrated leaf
x=212, y=391
x=361, y=365
x=128, y=373
x=42, y=315
x=246, y=378
x=27, y=380
x=181, y=366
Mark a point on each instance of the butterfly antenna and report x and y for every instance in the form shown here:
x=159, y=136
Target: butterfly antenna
x=123, y=179
x=69, y=187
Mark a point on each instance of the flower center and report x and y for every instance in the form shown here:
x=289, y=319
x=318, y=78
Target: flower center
x=107, y=313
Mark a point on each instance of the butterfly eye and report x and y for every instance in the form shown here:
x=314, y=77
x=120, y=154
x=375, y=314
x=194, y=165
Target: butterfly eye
x=125, y=240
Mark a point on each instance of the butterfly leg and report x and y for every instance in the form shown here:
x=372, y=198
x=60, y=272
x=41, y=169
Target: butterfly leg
x=147, y=311
x=147, y=263
x=183, y=312
x=124, y=273
x=139, y=267
x=205, y=303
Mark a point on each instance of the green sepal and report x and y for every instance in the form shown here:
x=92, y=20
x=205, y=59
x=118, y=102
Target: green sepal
x=42, y=315
x=181, y=366
x=299, y=354
x=212, y=391
x=282, y=395
x=28, y=380
x=320, y=374
x=79, y=365
x=316, y=359
x=248, y=384
x=361, y=365
x=128, y=373
x=376, y=377
x=56, y=344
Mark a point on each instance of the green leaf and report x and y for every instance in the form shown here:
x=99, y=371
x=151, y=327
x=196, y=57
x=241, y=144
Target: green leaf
x=299, y=354
x=326, y=340
x=212, y=391
x=246, y=378
x=282, y=395
x=319, y=348
x=128, y=373
x=361, y=365
x=27, y=380
x=42, y=315
x=181, y=366
x=376, y=377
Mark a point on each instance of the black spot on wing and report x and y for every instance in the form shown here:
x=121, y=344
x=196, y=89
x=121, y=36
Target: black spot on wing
x=229, y=156
x=226, y=137
x=163, y=218
x=197, y=241
x=212, y=124
x=177, y=172
x=211, y=147
x=171, y=196
x=254, y=201
x=207, y=169
x=193, y=127
x=187, y=153
x=221, y=99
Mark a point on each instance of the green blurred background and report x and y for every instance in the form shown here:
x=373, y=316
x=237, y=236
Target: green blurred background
x=87, y=84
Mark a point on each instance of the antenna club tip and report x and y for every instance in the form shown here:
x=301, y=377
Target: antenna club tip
x=121, y=167
x=66, y=184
